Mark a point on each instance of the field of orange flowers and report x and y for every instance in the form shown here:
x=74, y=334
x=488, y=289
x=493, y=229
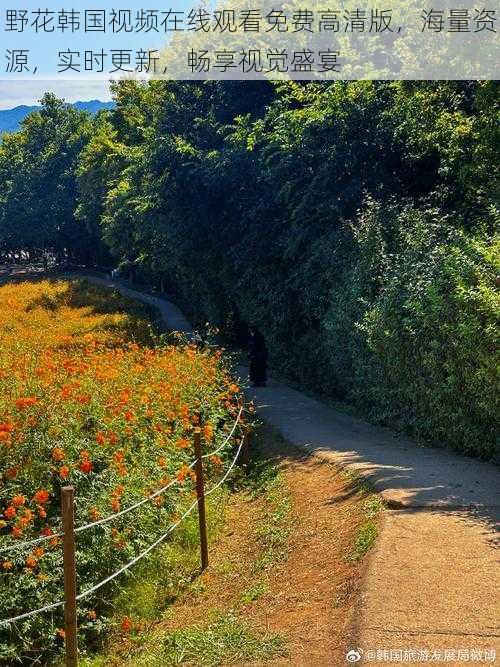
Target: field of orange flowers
x=89, y=396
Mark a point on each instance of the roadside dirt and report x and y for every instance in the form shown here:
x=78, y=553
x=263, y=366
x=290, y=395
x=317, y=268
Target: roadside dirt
x=308, y=596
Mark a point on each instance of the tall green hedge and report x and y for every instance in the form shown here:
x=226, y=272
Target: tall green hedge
x=412, y=329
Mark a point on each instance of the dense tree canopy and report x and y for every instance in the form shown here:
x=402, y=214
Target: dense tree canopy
x=38, y=184
x=353, y=222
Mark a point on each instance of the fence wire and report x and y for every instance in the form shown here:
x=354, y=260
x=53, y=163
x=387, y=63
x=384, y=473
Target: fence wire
x=111, y=517
x=128, y=565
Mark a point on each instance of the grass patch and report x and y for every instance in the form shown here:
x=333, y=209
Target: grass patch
x=167, y=573
x=365, y=538
x=158, y=581
x=275, y=527
x=227, y=640
x=373, y=506
x=171, y=573
x=357, y=480
x=368, y=530
x=265, y=479
x=254, y=592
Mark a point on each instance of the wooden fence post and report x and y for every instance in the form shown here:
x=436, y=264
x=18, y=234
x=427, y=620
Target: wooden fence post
x=200, y=493
x=67, y=499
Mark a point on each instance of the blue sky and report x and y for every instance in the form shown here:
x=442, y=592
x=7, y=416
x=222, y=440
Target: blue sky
x=14, y=93
x=44, y=49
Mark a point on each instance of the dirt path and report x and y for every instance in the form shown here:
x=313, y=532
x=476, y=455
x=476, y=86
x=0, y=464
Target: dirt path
x=312, y=594
x=288, y=568
x=433, y=582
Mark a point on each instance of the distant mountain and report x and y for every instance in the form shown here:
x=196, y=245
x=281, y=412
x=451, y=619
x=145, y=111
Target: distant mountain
x=10, y=119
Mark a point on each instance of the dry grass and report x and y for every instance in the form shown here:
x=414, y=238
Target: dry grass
x=282, y=581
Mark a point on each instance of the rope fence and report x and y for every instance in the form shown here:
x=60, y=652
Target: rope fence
x=171, y=528
x=69, y=551
x=111, y=517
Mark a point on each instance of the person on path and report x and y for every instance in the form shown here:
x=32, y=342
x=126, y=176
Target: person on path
x=258, y=358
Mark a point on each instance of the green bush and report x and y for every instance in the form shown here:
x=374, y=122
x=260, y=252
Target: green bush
x=413, y=324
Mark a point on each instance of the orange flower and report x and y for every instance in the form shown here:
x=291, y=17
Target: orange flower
x=126, y=624
x=11, y=473
x=183, y=443
x=66, y=393
x=86, y=466
x=31, y=561
x=26, y=402
x=41, y=496
x=91, y=615
x=94, y=513
x=64, y=472
x=100, y=438
x=28, y=514
x=113, y=438
x=162, y=462
x=124, y=396
x=7, y=565
x=184, y=472
x=6, y=427
x=10, y=512
x=118, y=456
x=129, y=416
x=57, y=454
x=233, y=389
x=115, y=505
x=38, y=552
x=208, y=431
x=18, y=500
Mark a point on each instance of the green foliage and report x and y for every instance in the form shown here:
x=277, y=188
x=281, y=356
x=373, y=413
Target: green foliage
x=351, y=222
x=420, y=298
x=367, y=534
x=276, y=526
x=168, y=572
x=254, y=592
